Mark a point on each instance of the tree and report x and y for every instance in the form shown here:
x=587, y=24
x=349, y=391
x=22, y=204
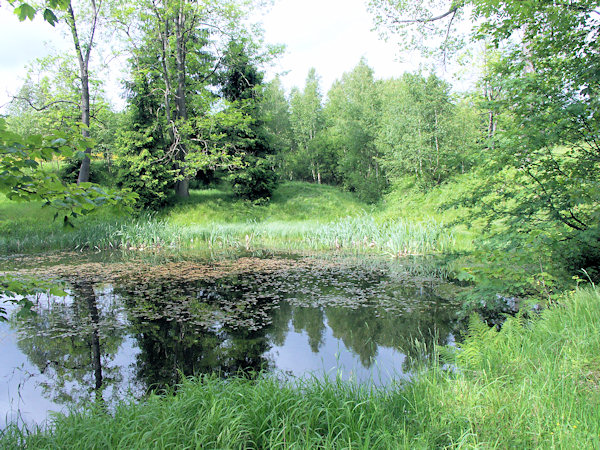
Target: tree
x=275, y=111
x=423, y=133
x=241, y=83
x=306, y=119
x=352, y=111
x=541, y=181
x=142, y=148
x=21, y=178
x=49, y=101
x=178, y=45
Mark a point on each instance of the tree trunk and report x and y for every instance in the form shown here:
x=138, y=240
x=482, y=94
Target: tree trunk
x=182, y=186
x=83, y=58
x=84, y=170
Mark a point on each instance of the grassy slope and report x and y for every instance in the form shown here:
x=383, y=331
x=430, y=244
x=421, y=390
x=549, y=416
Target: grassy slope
x=295, y=208
x=299, y=216
x=406, y=200
x=292, y=202
x=534, y=386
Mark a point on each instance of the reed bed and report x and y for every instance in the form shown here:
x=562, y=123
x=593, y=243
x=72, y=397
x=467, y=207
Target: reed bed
x=356, y=234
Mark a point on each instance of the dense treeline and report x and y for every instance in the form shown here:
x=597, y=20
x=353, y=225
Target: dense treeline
x=363, y=135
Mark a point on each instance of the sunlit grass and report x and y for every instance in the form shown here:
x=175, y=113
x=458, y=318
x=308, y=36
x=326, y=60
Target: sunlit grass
x=291, y=202
x=301, y=216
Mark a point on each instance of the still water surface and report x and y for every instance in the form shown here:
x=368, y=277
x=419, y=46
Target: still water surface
x=118, y=336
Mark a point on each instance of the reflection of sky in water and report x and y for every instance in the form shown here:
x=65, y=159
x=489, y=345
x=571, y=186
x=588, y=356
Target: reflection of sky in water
x=296, y=358
x=20, y=397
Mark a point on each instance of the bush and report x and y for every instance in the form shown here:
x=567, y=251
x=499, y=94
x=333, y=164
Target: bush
x=257, y=180
x=100, y=172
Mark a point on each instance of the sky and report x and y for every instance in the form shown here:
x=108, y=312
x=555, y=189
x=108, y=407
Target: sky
x=330, y=35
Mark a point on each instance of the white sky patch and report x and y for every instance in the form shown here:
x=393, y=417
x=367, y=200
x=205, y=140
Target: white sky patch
x=329, y=35
x=22, y=42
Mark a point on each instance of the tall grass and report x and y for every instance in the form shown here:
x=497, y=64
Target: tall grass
x=534, y=384
x=356, y=234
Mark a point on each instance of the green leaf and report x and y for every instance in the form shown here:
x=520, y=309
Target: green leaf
x=50, y=17
x=25, y=11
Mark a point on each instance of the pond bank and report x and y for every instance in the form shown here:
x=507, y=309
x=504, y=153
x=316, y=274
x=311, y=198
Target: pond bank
x=142, y=325
x=526, y=387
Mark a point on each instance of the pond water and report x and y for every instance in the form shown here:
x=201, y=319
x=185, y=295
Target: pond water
x=126, y=329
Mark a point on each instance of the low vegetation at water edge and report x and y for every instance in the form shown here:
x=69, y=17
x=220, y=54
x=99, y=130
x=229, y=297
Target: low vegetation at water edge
x=301, y=216
x=534, y=384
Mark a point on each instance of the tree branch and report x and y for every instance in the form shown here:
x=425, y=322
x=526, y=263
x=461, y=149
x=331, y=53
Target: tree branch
x=452, y=11
x=46, y=106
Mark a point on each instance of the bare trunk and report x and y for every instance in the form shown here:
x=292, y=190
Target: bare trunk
x=83, y=58
x=183, y=185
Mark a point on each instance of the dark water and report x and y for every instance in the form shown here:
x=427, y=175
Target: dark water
x=126, y=337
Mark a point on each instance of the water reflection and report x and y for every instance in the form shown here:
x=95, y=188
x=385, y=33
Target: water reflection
x=143, y=333
x=72, y=343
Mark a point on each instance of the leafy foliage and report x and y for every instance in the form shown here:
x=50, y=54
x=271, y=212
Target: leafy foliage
x=256, y=181
x=17, y=290
x=22, y=179
x=423, y=132
x=352, y=111
x=241, y=85
x=143, y=165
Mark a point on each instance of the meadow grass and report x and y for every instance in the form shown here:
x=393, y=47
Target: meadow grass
x=534, y=384
x=291, y=202
x=300, y=216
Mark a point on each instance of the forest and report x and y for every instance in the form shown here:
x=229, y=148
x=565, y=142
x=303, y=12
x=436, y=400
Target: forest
x=214, y=183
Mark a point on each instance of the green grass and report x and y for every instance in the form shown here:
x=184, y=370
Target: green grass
x=291, y=202
x=300, y=216
x=534, y=384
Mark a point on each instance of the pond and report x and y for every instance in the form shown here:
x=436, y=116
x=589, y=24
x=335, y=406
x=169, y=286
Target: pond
x=127, y=328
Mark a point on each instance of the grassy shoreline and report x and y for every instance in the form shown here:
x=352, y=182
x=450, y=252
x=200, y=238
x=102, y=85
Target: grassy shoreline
x=300, y=216
x=534, y=384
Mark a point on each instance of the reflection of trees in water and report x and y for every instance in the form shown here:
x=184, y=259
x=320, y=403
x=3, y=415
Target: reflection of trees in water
x=225, y=326
x=359, y=329
x=73, y=344
x=311, y=320
x=420, y=320
x=280, y=323
x=426, y=322
x=185, y=328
